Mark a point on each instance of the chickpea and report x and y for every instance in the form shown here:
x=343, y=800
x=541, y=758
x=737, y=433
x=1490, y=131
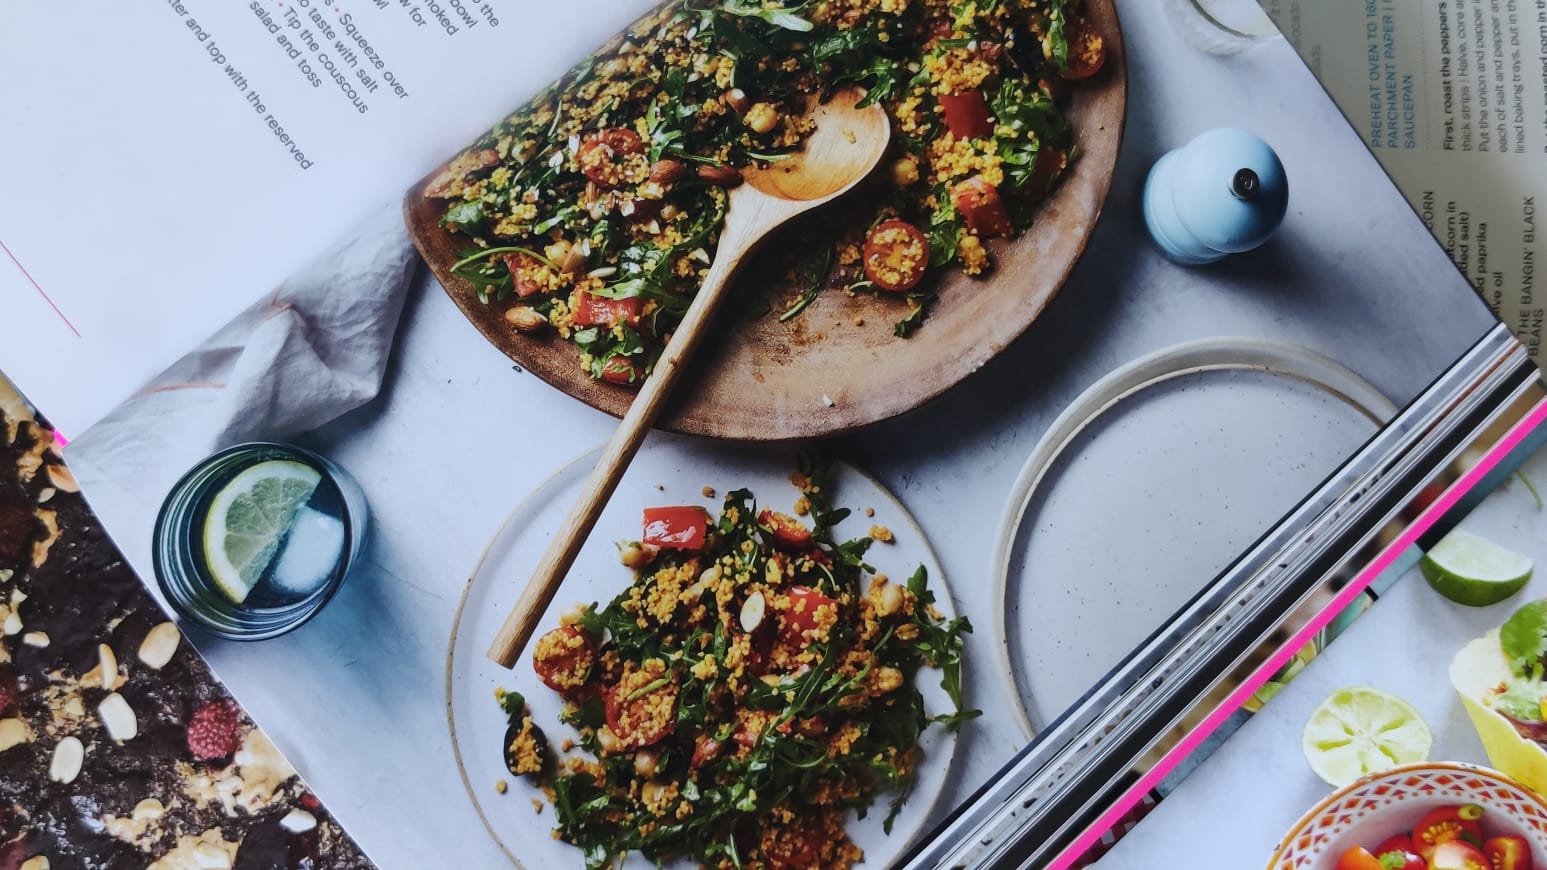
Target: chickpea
x=607, y=741
x=905, y=171
x=888, y=599
x=644, y=763
x=762, y=117
x=636, y=555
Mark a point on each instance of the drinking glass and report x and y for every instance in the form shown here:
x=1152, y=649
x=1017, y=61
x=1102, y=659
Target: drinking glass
x=321, y=541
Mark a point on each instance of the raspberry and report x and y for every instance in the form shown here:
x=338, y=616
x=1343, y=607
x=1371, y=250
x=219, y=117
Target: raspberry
x=212, y=730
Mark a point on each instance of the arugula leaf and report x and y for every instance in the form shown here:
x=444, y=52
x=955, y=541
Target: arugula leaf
x=814, y=276
x=464, y=214
x=915, y=317
x=1523, y=637
x=1058, y=43
x=775, y=15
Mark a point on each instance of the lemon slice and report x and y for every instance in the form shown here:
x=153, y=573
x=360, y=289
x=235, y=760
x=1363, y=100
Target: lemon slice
x=1472, y=570
x=1359, y=730
x=248, y=519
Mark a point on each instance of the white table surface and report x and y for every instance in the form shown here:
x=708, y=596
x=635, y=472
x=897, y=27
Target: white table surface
x=356, y=698
x=1403, y=644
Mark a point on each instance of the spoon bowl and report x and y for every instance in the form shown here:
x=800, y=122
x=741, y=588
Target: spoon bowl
x=846, y=144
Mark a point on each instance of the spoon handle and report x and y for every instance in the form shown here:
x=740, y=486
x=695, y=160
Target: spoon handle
x=521, y=622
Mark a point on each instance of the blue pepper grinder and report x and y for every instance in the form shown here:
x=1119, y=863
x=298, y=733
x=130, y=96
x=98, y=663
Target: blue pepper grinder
x=1222, y=193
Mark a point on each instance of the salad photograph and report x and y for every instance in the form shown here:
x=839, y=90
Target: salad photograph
x=753, y=687
x=594, y=211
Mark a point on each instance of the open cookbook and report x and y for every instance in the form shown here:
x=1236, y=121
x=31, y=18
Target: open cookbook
x=973, y=513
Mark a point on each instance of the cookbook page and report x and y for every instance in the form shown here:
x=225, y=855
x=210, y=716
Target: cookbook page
x=180, y=158
x=1178, y=410
x=1451, y=96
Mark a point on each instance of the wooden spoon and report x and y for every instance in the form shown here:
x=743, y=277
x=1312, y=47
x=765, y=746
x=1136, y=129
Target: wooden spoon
x=846, y=145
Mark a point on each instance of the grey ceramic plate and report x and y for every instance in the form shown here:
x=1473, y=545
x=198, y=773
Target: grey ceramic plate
x=1147, y=486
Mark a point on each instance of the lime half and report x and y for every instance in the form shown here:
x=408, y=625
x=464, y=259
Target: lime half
x=248, y=519
x=1359, y=730
x=1472, y=570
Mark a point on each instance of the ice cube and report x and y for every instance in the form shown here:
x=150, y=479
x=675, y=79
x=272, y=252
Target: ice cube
x=310, y=552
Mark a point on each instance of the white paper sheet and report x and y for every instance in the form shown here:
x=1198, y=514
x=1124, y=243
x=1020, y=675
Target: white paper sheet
x=1451, y=95
x=147, y=195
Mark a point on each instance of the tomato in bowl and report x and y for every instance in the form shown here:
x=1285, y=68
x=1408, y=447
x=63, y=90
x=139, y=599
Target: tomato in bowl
x=1444, y=814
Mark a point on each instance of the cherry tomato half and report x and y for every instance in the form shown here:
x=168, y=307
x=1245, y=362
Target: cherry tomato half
x=594, y=310
x=621, y=370
x=1447, y=824
x=676, y=527
x=1395, y=843
x=895, y=256
x=1407, y=857
x=966, y=114
x=980, y=206
x=1508, y=853
x=524, y=273
x=786, y=532
x=1087, y=50
x=1457, y=855
x=641, y=709
x=602, y=156
x=802, y=615
x=563, y=658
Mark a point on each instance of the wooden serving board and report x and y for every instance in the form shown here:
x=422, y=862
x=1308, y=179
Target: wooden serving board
x=837, y=366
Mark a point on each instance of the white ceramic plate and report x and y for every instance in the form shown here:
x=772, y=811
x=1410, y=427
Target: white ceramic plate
x=1147, y=486
x=669, y=470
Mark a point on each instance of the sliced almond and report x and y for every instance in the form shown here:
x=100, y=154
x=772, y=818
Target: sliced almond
x=118, y=718
x=752, y=612
x=298, y=821
x=12, y=625
x=47, y=495
x=13, y=732
x=17, y=597
x=37, y=639
x=66, y=764
x=36, y=862
x=159, y=645
x=212, y=857
x=149, y=809
x=108, y=663
x=61, y=478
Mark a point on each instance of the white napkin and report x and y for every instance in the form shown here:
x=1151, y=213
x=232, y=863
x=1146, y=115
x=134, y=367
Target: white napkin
x=302, y=355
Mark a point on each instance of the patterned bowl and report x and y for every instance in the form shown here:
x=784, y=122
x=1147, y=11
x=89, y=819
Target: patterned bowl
x=1371, y=809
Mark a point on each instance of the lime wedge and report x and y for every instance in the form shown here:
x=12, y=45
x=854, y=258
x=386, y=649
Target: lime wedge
x=1471, y=570
x=248, y=519
x=1359, y=730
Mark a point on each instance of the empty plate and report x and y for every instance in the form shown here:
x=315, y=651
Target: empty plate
x=1147, y=487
